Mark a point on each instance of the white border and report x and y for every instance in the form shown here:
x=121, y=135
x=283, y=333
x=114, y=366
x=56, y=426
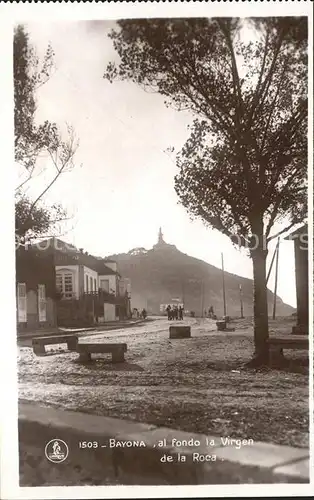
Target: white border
x=10, y=14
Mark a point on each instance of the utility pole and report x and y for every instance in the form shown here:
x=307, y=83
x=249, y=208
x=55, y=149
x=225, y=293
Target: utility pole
x=93, y=307
x=272, y=262
x=276, y=280
x=241, y=301
x=183, y=292
x=202, y=301
x=223, y=284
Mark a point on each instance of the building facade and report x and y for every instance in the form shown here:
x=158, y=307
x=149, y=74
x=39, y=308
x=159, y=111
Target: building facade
x=89, y=287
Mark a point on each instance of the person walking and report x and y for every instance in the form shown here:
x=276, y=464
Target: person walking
x=181, y=313
x=176, y=313
x=171, y=313
x=168, y=309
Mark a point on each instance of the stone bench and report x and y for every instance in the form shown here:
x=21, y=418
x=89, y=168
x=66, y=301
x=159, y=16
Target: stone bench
x=278, y=344
x=179, y=332
x=221, y=325
x=39, y=343
x=86, y=350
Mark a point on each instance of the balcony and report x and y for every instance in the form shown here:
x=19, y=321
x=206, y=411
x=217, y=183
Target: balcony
x=66, y=295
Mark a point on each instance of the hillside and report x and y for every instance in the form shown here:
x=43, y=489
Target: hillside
x=164, y=273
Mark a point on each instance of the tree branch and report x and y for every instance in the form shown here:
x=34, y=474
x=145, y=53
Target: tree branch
x=279, y=200
x=235, y=73
x=66, y=156
x=273, y=105
x=282, y=231
x=265, y=85
x=256, y=94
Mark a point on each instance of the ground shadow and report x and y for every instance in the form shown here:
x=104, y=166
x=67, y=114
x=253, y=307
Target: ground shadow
x=24, y=343
x=296, y=365
x=106, y=364
x=292, y=365
x=53, y=353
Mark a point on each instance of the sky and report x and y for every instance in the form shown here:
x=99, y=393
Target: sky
x=122, y=188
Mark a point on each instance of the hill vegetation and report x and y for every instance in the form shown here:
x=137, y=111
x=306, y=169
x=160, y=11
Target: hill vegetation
x=164, y=273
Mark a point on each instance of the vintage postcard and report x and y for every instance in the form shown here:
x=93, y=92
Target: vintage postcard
x=157, y=186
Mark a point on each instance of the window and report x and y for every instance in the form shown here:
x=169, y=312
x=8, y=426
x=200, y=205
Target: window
x=59, y=282
x=95, y=284
x=21, y=303
x=64, y=285
x=42, y=311
x=86, y=284
x=91, y=284
x=104, y=285
x=42, y=292
x=68, y=285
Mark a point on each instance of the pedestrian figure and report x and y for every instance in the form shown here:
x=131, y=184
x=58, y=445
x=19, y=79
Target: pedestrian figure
x=181, y=313
x=144, y=313
x=211, y=312
x=168, y=309
x=176, y=313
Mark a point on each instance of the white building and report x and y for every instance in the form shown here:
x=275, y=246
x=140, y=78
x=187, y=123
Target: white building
x=78, y=274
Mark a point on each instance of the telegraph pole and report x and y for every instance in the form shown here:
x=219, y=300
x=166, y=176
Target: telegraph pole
x=241, y=301
x=272, y=262
x=183, y=292
x=223, y=284
x=276, y=280
x=202, y=301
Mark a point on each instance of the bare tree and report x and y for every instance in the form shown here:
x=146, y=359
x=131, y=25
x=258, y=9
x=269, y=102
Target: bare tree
x=34, y=141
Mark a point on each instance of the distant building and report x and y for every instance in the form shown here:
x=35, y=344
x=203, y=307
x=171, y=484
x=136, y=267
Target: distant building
x=172, y=303
x=94, y=282
x=78, y=272
x=300, y=238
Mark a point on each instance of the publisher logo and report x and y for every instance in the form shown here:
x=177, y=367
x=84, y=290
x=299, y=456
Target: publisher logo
x=56, y=451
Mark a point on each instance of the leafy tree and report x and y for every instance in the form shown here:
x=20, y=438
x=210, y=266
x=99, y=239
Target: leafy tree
x=29, y=76
x=32, y=222
x=244, y=167
x=138, y=251
x=33, y=140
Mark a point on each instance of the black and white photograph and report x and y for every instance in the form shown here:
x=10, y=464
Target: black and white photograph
x=161, y=299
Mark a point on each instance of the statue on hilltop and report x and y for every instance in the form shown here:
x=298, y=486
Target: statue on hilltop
x=161, y=240
x=161, y=244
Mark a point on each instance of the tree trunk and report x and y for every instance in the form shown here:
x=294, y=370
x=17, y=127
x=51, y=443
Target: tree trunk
x=259, y=254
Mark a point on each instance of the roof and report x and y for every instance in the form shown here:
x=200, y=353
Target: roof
x=103, y=269
x=35, y=267
x=68, y=254
x=297, y=232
